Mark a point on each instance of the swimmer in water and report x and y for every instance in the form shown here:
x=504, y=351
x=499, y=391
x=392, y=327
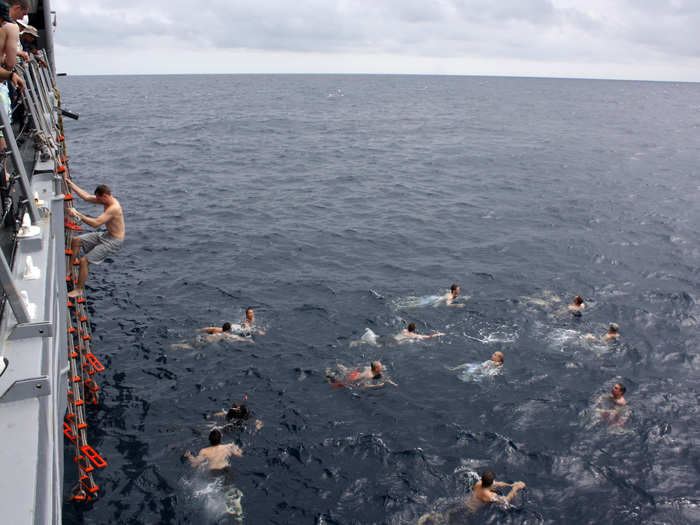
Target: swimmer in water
x=451, y=296
x=237, y=415
x=248, y=323
x=613, y=333
x=410, y=333
x=476, y=371
x=482, y=492
x=613, y=407
x=214, y=332
x=577, y=306
x=369, y=377
x=214, y=458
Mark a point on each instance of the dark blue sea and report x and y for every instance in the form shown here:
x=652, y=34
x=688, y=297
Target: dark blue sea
x=333, y=204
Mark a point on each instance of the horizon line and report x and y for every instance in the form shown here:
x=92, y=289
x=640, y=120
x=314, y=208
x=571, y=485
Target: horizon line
x=532, y=77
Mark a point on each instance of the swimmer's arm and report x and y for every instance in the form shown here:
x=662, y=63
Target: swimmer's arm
x=211, y=329
x=195, y=461
x=221, y=413
x=260, y=332
x=234, y=450
x=436, y=334
x=516, y=487
x=501, y=484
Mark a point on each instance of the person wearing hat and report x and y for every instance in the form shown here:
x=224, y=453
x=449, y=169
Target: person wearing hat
x=29, y=38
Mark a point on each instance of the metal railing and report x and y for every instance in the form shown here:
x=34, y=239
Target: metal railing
x=38, y=99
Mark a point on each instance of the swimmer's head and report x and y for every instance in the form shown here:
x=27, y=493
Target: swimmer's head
x=411, y=327
x=249, y=315
x=618, y=390
x=487, y=479
x=614, y=328
x=215, y=437
x=497, y=357
x=376, y=367
x=237, y=411
x=578, y=300
x=226, y=327
x=455, y=289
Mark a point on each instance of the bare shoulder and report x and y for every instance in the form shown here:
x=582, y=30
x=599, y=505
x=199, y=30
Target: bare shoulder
x=11, y=29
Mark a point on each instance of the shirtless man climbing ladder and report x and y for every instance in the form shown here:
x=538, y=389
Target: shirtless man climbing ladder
x=97, y=245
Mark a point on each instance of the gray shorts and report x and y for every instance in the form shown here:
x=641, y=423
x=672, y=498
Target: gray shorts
x=97, y=246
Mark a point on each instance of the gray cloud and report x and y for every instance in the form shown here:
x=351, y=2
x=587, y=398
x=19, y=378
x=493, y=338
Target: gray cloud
x=544, y=30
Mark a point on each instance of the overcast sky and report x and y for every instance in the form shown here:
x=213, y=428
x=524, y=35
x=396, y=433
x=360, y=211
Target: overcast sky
x=634, y=39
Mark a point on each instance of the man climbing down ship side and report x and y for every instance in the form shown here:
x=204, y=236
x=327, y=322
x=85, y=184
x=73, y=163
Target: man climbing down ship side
x=97, y=246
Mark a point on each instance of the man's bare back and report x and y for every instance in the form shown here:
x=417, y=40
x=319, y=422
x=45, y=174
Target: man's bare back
x=482, y=492
x=215, y=457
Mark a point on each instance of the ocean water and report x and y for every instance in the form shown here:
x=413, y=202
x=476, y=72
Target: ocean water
x=332, y=204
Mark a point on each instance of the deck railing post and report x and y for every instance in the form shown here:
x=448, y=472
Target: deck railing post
x=19, y=166
x=13, y=297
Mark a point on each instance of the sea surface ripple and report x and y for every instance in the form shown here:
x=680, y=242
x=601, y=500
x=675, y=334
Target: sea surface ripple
x=325, y=202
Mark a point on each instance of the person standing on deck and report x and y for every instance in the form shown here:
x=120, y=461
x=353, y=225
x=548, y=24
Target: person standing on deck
x=97, y=245
x=9, y=33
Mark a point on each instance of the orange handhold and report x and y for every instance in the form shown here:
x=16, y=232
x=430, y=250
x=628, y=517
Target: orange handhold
x=69, y=252
x=74, y=355
x=71, y=329
x=64, y=159
x=73, y=226
x=92, y=398
x=60, y=138
x=76, y=262
x=77, y=379
x=93, y=456
x=68, y=278
x=70, y=417
x=82, y=426
x=61, y=168
x=69, y=304
x=81, y=300
x=78, y=496
x=68, y=432
x=83, y=319
x=68, y=197
x=92, y=359
x=86, y=337
x=88, y=468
